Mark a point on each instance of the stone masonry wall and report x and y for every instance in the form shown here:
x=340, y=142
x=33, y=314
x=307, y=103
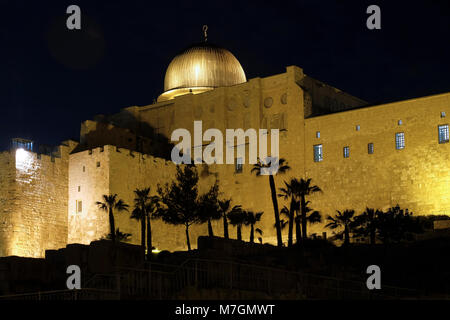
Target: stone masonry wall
x=7, y=193
x=273, y=102
x=34, y=212
x=416, y=177
x=121, y=172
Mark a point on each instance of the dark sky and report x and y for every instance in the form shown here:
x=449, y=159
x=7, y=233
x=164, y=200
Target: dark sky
x=52, y=79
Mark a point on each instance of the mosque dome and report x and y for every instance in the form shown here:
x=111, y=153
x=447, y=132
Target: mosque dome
x=199, y=68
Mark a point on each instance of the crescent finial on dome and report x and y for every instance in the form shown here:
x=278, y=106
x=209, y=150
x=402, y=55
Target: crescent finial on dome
x=205, y=32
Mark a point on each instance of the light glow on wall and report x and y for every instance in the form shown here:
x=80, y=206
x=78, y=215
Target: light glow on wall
x=24, y=159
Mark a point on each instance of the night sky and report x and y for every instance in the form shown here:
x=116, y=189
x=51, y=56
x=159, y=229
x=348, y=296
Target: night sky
x=51, y=79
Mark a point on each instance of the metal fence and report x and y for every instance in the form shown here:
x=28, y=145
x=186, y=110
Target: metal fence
x=158, y=281
x=60, y=295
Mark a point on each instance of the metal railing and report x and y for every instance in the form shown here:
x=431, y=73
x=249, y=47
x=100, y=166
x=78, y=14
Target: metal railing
x=160, y=281
x=59, y=295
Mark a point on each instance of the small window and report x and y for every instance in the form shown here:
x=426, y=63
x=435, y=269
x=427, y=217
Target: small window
x=370, y=148
x=79, y=205
x=90, y=152
x=84, y=169
x=442, y=114
x=318, y=156
x=79, y=188
x=346, y=152
x=358, y=127
x=98, y=164
x=318, y=134
x=400, y=140
x=400, y=122
x=443, y=133
x=238, y=165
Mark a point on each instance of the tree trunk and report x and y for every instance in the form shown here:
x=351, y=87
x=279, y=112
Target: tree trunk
x=210, y=229
x=149, y=238
x=298, y=230
x=291, y=223
x=346, y=235
x=252, y=233
x=143, y=235
x=112, y=227
x=239, y=233
x=303, y=203
x=187, y=238
x=275, y=209
x=225, y=227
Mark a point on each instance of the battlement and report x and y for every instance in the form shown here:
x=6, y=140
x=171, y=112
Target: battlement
x=41, y=151
x=126, y=153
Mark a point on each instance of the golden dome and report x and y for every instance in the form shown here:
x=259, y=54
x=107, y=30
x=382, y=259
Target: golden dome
x=200, y=68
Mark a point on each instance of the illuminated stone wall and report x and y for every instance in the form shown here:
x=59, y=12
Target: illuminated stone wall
x=7, y=193
x=120, y=171
x=417, y=177
x=88, y=181
x=38, y=198
x=272, y=102
x=33, y=203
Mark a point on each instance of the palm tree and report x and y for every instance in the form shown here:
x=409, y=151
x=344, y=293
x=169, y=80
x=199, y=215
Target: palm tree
x=139, y=212
x=237, y=218
x=144, y=208
x=314, y=216
x=251, y=219
x=120, y=236
x=225, y=209
x=285, y=211
x=366, y=224
x=342, y=219
x=304, y=188
x=311, y=218
x=152, y=209
x=283, y=224
x=289, y=191
x=261, y=168
x=292, y=213
x=209, y=207
x=298, y=230
x=109, y=205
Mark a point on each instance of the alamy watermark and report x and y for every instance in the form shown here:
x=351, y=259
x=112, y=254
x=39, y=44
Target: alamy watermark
x=374, y=280
x=213, y=153
x=374, y=20
x=73, y=22
x=74, y=280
